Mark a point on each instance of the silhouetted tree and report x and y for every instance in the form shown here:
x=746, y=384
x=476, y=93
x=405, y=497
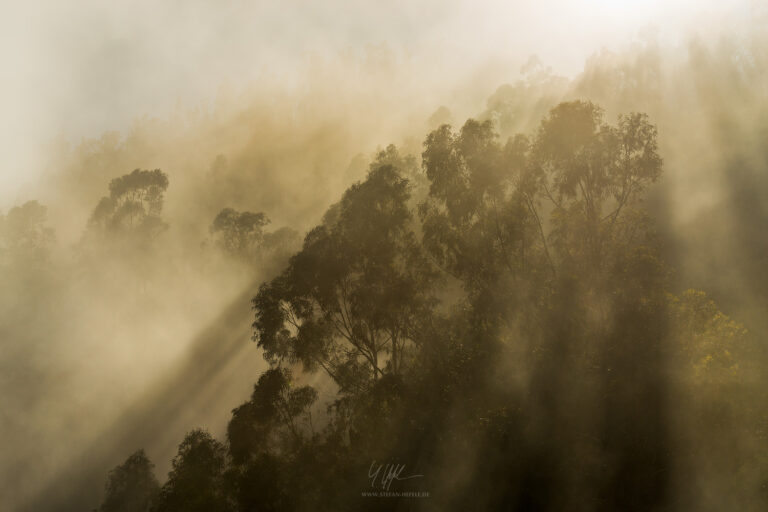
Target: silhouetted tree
x=349, y=300
x=133, y=206
x=242, y=235
x=264, y=435
x=196, y=481
x=238, y=233
x=131, y=486
x=276, y=415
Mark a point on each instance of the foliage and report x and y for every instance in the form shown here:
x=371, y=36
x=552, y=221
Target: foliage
x=241, y=235
x=238, y=232
x=133, y=206
x=131, y=486
x=709, y=342
x=349, y=300
x=274, y=416
x=196, y=482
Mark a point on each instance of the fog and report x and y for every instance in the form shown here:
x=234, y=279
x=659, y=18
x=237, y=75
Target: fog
x=80, y=69
x=107, y=347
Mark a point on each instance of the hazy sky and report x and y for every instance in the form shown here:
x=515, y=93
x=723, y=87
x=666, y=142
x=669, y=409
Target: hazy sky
x=80, y=67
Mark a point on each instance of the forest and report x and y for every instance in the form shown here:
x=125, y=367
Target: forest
x=501, y=320
x=295, y=301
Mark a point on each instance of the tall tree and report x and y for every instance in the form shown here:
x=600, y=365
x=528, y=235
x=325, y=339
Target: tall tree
x=350, y=299
x=196, y=481
x=592, y=174
x=133, y=206
x=265, y=435
x=131, y=486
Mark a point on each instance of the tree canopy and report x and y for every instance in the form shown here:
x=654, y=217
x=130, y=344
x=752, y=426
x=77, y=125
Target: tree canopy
x=350, y=299
x=131, y=486
x=134, y=205
x=196, y=480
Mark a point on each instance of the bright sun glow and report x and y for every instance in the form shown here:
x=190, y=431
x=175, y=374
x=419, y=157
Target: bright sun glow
x=662, y=13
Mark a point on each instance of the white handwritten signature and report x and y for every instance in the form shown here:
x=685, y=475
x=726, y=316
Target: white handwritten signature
x=387, y=473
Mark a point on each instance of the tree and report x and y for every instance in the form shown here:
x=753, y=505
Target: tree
x=711, y=345
x=276, y=415
x=238, y=234
x=133, y=206
x=264, y=435
x=24, y=236
x=281, y=243
x=131, y=486
x=350, y=299
x=476, y=220
x=507, y=219
x=196, y=481
x=241, y=235
x=559, y=268
x=592, y=174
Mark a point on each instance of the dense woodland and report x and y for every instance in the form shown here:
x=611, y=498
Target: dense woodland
x=497, y=315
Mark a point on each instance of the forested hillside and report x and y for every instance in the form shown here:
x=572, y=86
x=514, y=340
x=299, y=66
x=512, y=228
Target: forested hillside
x=501, y=322
x=354, y=294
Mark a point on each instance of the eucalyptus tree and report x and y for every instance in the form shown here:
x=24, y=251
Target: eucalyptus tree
x=350, y=299
x=131, y=486
x=133, y=207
